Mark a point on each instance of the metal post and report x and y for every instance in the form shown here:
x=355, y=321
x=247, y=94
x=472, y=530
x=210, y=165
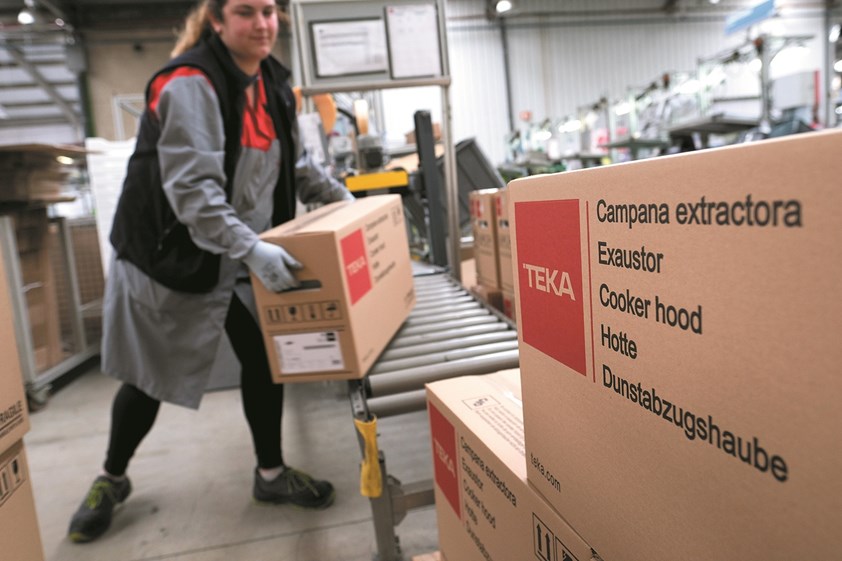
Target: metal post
x=425, y=146
x=451, y=187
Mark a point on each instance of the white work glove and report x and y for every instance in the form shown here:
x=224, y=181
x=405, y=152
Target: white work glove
x=271, y=264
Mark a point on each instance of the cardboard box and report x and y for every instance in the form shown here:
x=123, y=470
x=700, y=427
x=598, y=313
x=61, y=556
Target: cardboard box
x=504, y=241
x=359, y=255
x=484, y=225
x=679, y=346
x=19, y=531
x=14, y=416
x=490, y=296
x=509, y=305
x=485, y=509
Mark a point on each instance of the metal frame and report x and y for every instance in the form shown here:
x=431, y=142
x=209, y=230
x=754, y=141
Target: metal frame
x=312, y=85
x=38, y=383
x=449, y=333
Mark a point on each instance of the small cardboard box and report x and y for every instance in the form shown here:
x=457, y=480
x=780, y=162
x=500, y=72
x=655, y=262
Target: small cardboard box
x=357, y=290
x=14, y=417
x=19, y=531
x=484, y=225
x=504, y=241
x=484, y=506
x=490, y=296
x=679, y=324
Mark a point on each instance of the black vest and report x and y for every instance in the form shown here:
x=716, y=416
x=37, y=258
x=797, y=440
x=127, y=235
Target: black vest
x=146, y=231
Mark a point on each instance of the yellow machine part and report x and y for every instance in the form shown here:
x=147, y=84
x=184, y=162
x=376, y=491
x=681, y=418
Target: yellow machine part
x=377, y=180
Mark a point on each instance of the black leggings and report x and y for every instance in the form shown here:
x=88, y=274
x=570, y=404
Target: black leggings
x=133, y=412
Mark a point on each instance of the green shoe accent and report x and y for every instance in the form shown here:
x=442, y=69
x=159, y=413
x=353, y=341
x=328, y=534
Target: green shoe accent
x=93, y=517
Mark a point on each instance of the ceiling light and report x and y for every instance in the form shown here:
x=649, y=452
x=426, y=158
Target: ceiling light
x=503, y=6
x=64, y=160
x=837, y=66
x=714, y=1
x=25, y=17
x=833, y=36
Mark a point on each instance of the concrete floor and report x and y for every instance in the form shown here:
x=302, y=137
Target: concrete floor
x=192, y=479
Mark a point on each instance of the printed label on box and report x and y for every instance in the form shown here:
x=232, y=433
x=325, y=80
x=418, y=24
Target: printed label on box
x=549, y=269
x=301, y=353
x=445, y=458
x=354, y=259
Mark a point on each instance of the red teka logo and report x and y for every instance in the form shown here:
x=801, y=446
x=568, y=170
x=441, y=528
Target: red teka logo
x=445, y=464
x=356, y=265
x=549, y=269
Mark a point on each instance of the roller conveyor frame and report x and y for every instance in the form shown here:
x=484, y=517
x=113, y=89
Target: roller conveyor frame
x=449, y=333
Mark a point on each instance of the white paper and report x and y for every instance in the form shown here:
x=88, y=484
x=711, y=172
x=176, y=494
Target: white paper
x=312, y=136
x=302, y=353
x=349, y=47
x=107, y=169
x=413, y=40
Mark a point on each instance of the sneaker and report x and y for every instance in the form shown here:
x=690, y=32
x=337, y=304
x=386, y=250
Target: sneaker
x=93, y=517
x=293, y=487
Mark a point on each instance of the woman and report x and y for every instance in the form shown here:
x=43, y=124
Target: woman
x=216, y=161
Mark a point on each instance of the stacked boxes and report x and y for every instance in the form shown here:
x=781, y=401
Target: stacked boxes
x=19, y=532
x=484, y=225
x=485, y=508
x=356, y=290
x=32, y=173
x=492, y=249
x=34, y=240
x=504, y=253
x=679, y=321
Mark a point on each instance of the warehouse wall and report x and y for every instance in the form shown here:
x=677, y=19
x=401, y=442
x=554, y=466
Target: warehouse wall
x=566, y=55
x=561, y=56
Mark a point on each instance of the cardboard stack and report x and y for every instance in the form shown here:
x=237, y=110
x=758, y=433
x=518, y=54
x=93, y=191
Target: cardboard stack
x=19, y=531
x=485, y=508
x=34, y=239
x=31, y=172
x=356, y=290
x=504, y=253
x=679, y=321
x=484, y=228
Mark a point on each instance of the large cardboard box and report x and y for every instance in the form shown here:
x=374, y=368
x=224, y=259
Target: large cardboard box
x=357, y=290
x=679, y=346
x=19, y=531
x=504, y=240
x=485, y=509
x=14, y=417
x=484, y=226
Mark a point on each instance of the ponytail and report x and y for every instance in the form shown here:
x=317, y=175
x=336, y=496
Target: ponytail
x=197, y=25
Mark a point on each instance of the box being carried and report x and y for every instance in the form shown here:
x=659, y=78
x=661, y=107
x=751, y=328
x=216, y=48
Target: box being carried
x=484, y=506
x=679, y=348
x=357, y=290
